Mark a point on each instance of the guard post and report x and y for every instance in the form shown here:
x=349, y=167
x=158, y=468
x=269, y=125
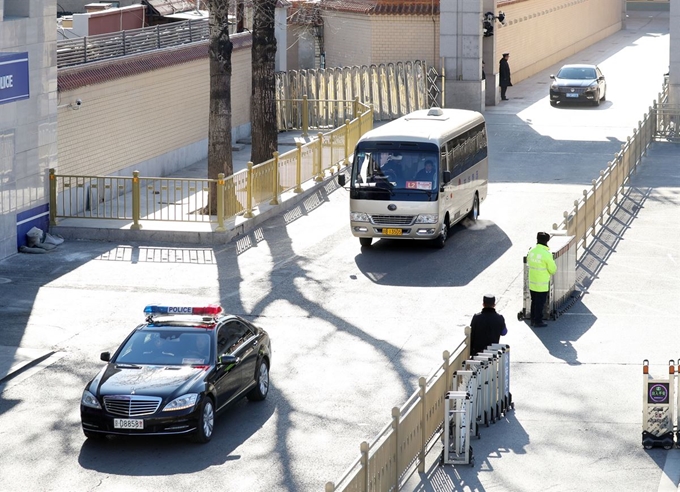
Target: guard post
x=657, y=408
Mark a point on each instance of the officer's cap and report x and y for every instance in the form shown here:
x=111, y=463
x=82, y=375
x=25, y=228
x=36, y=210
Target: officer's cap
x=489, y=300
x=542, y=237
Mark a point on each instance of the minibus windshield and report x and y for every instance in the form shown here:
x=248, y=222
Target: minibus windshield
x=395, y=170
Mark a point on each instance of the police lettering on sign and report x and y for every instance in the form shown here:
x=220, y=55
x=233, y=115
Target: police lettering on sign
x=13, y=77
x=6, y=82
x=179, y=310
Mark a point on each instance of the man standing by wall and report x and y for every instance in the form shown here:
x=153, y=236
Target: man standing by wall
x=504, y=75
x=541, y=267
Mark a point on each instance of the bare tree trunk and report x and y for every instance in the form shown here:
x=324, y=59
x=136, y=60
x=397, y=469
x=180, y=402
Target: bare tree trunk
x=219, y=131
x=263, y=103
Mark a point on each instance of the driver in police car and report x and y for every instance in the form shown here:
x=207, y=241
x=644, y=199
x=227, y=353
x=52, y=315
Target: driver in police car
x=157, y=347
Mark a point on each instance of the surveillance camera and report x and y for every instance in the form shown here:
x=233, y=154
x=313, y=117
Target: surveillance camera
x=79, y=102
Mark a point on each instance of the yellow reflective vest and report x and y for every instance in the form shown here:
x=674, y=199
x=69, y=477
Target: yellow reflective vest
x=541, y=268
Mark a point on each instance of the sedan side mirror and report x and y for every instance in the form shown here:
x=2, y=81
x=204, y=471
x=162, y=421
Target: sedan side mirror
x=552, y=76
x=105, y=356
x=226, y=360
x=341, y=179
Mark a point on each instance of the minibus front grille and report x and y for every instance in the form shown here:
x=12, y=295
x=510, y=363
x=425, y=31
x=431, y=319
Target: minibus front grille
x=393, y=219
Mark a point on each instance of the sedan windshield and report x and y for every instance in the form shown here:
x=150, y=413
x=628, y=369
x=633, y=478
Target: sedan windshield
x=166, y=348
x=577, y=73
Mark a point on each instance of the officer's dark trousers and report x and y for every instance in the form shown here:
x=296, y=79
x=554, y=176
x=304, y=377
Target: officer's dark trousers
x=537, y=304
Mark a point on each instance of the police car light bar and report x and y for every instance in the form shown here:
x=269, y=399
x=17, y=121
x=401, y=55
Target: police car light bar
x=211, y=310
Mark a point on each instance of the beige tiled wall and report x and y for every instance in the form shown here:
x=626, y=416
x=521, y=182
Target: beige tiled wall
x=347, y=39
x=360, y=39
x=540, y=33
x=141, y=118
x=404, y=38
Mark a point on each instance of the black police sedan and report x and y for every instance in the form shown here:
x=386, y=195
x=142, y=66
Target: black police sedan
x=578, y=83
x=175, y=372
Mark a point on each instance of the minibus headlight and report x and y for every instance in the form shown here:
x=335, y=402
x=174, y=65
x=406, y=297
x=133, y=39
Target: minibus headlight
x=358, y=217
x=427, y=219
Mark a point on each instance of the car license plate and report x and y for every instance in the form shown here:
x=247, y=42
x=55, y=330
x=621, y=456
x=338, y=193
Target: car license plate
x=392, y=232
x=569, y=94
x=128, y=424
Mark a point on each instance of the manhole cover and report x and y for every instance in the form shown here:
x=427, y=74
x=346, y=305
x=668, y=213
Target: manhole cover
x=4, y=280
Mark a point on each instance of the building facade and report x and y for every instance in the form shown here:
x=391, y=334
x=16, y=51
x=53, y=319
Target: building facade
x=28, y=117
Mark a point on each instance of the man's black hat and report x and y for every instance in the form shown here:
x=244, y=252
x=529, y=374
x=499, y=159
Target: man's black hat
x=489, y=300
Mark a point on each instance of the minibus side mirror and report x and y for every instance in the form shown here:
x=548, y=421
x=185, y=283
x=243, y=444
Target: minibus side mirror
x=447, y=176
x=341, y=179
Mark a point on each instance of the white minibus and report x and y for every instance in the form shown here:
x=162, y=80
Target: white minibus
x=416, y=176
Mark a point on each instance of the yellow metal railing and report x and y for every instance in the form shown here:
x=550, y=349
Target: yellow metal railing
x=400, y=448
x=588, y=213
x=140, y=198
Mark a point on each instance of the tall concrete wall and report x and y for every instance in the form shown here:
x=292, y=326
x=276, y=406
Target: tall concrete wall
x=28, y=127
x=152, y=120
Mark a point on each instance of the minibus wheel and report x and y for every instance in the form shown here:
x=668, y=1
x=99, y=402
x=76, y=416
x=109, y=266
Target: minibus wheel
x=365, y=241
x=440, y=241
x=474, y=211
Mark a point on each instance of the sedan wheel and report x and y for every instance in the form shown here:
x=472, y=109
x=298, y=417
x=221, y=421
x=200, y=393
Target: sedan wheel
x=206, y=422
x=261, y=389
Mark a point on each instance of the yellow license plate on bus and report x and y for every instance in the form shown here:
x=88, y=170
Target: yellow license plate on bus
x=392, y=232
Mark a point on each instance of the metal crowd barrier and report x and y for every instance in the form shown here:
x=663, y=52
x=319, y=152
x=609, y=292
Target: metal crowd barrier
x=480, y=394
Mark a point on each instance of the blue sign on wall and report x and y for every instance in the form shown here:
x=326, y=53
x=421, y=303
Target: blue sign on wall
x=13, y=77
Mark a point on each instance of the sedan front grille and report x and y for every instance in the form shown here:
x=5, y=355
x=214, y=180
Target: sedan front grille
x=131, y=405
x=393, y=219
x=574, y=90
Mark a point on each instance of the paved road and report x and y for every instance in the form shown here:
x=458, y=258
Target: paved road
x=352, y=331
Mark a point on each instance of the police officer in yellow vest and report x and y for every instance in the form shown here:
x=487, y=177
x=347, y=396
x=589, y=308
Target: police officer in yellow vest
x=541, y=267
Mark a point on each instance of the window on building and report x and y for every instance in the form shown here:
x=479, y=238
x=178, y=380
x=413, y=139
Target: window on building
x=17, y=8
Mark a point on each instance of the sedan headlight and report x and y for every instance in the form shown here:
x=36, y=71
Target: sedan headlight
x=359, y=217
x=593, y=85
x=427, y=219
x=88, y=400
x=184, y=401
x=553, y=86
